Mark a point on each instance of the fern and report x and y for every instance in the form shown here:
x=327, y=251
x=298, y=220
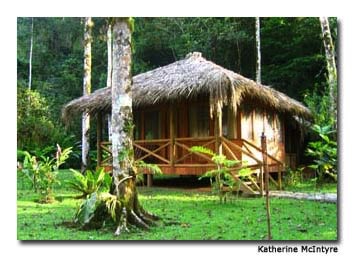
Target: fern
x=202, y=149
x=90, y=182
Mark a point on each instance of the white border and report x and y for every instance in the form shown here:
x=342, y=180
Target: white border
x=14, y=8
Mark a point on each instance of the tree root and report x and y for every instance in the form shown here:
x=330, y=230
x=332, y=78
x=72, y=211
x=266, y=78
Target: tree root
x=122, y=226
x=133, y=218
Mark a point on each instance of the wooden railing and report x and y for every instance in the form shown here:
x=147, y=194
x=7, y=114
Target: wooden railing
x=176, y=153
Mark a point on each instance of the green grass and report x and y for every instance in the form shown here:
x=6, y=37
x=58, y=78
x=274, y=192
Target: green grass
x=186, y=215
x=310, y=186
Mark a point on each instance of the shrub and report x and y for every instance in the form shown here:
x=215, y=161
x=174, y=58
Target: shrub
x=221, y=178
x=42, y=172
x=90, y=182
x=324, y=153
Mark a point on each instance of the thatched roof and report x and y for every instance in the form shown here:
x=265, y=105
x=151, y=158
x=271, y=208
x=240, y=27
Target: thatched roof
x=188, y=78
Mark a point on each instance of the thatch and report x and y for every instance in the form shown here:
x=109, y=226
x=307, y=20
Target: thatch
x=189, y=78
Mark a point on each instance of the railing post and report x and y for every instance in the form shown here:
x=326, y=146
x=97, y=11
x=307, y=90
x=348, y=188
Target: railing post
x=265, y=175
x=99, y=138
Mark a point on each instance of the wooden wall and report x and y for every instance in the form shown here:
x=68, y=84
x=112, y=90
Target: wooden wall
x=254, y=123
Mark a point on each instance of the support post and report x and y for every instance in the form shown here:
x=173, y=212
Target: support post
x=280, y=167
x=172, y=137
x=218, y=130
x=99, y=138
x=149, y=180
x=265, y=168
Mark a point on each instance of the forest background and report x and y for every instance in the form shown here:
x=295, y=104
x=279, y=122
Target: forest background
x=293, y=62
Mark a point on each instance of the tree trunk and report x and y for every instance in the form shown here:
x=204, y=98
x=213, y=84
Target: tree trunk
x=109, y=73
x=258, y=47
x=124, y=172
x=86, y=91
x=331, y=67
x=30, y=60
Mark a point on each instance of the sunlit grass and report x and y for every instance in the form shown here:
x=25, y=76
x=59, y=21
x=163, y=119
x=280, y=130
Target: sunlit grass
x=185, y=215
x=311, y=186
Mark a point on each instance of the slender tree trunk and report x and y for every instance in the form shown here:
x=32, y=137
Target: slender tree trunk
x=30, y=59
x=124, y=172
x=258, y=47
x=263, y=137
x=86, y=91
x=331, y=66
x=109, y=73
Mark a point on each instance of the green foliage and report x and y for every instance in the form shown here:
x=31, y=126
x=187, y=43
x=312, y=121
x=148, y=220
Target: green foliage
x=90, y=182
x=87, y=209
x=142, y=166
x=36, y=132
x=95, y=207
x=34, y=128
x=293, y=177
x=112, y=203
x=319, y=102
x=221, y=179
x=42, y=172
x=324, y=153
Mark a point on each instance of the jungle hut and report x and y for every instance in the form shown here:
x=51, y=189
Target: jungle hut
x=197, y=102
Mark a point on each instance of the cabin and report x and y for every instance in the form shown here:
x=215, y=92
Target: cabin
x=195, y=102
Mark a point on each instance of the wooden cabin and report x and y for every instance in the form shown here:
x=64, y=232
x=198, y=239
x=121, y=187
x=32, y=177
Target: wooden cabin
x=196, y=102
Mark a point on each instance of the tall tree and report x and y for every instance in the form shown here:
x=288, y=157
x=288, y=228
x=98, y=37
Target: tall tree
x=124, y=172
x=331, y=66
x=109, y=71
x=263, y=137
x=30, y=59
x=86, y=91
x=258, y=47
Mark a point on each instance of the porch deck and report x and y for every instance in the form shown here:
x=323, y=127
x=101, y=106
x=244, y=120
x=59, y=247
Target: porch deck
x=173, y=156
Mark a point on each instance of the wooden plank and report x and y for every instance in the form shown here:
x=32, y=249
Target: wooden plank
x=151, y=141
x=188, y=149
x=195, y=165
x=229, y=150
x=273, y=181
x=191, y=139
x=259, y=149
x=190, y=153
x=154, y=151
x=242, y=150
x=151, y=153
x=243, y=186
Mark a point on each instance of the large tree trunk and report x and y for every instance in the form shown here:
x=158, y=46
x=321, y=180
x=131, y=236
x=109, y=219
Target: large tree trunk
x=331, y=66
x=86, y=91
x=30, y=59
x=124, y=172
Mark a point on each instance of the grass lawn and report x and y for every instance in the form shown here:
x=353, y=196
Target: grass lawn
x=186, y=215
x=310, y=186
